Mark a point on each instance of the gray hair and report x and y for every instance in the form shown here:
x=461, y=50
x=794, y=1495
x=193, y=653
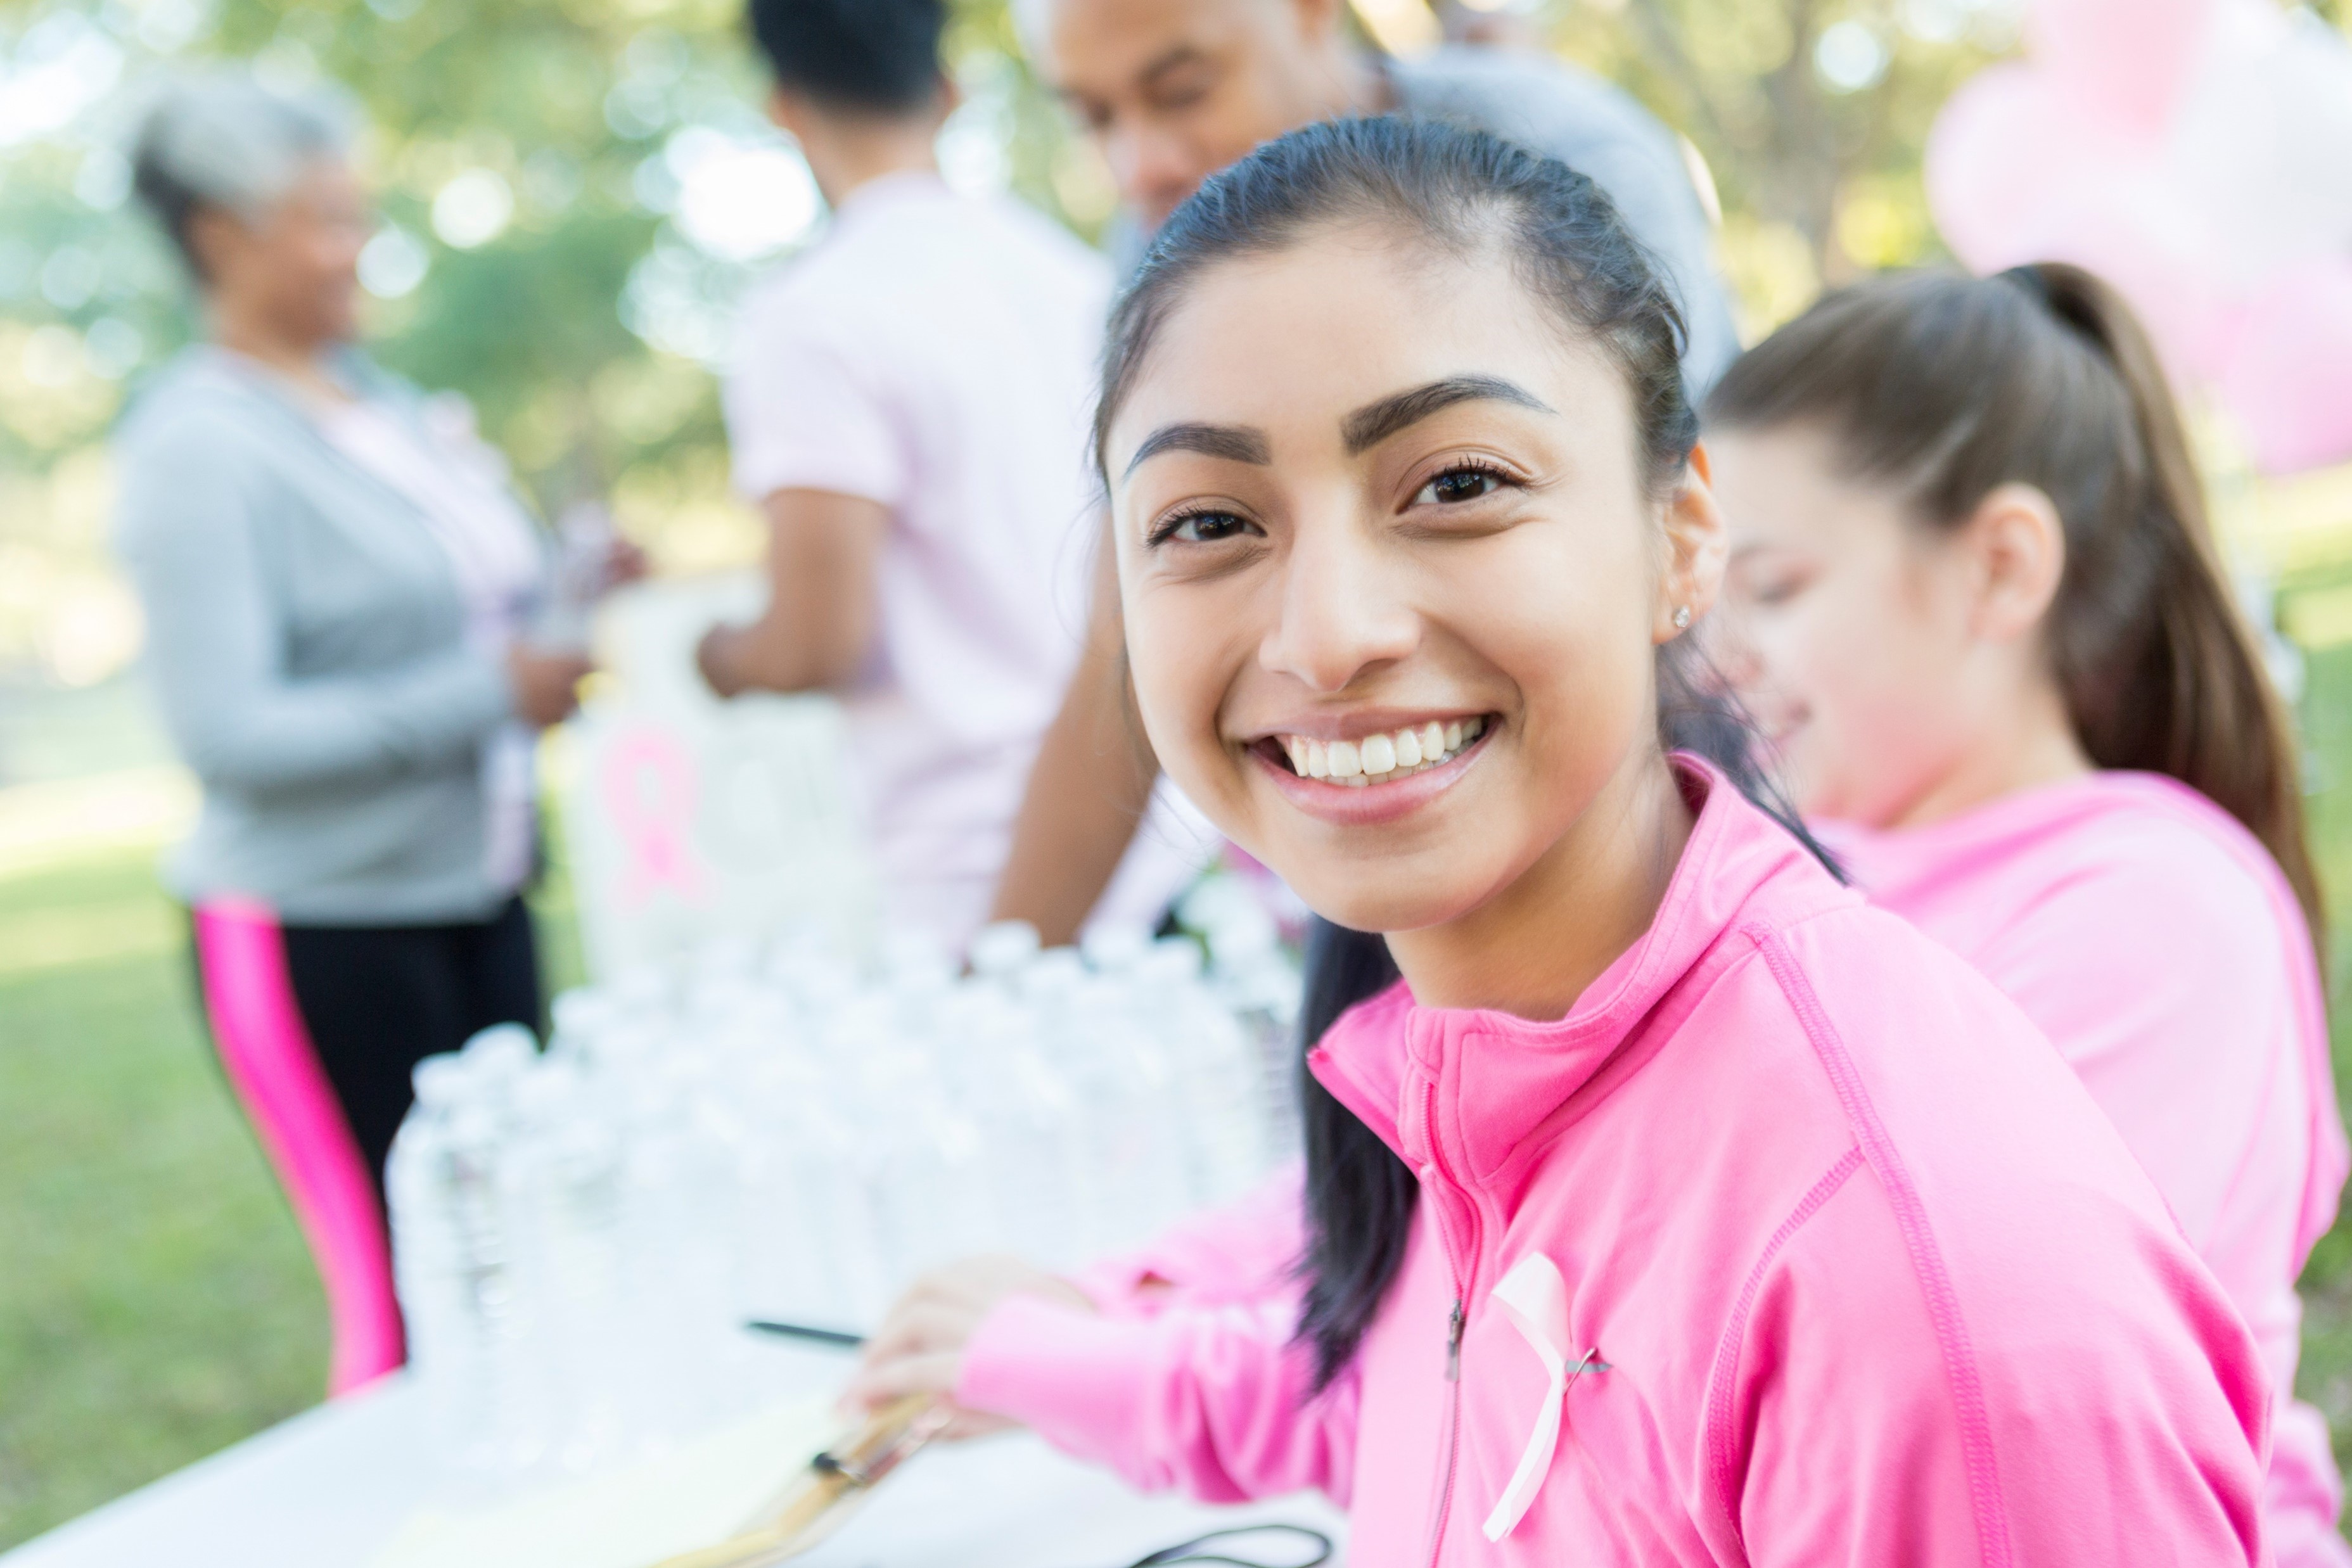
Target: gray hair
x=221, y=138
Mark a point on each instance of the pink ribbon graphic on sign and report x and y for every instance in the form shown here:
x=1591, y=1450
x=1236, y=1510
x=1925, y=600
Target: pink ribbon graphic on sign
x=649, y=789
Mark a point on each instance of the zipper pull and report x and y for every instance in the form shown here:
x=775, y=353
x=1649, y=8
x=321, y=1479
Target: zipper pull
x=1454, y=1342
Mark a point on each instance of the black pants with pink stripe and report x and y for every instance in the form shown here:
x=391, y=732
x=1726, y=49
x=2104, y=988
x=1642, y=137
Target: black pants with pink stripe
x=381, y=999
x=318, y=1028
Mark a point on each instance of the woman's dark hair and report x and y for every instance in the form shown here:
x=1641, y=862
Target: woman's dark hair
x=874, y=57
x=1466, y=195
x=1944, y=388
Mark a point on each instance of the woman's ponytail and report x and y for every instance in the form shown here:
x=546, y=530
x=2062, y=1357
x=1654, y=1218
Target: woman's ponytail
x=1945, y=388
x=2192, y=700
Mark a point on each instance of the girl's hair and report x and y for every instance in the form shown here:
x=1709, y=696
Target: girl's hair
x=220, y=138
x=1467, y=195
x=1945, y=387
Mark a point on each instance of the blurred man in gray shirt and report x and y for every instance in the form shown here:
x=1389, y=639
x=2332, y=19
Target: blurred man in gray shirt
x=1173, y=90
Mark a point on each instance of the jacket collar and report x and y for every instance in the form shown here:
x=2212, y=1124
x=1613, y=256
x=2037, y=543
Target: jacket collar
x=1499, y=1078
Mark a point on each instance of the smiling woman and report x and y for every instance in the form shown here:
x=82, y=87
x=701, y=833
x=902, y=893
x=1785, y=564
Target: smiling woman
x=1674, y=1207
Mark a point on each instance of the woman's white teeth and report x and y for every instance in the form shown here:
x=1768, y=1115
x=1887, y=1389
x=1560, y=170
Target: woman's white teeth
x=1378, y=759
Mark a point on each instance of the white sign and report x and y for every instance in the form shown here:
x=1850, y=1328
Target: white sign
x=689, y=818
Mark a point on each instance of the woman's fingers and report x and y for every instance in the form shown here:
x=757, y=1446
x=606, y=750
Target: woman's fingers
x=919, y=1328
x=935, y=1372
x=929, y=1372
x=919, y=1347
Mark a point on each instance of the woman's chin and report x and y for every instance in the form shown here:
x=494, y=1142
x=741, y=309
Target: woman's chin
x=1373, y=900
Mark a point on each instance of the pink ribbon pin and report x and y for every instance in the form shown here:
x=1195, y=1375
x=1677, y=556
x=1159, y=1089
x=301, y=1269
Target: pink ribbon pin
x=1533, y=1298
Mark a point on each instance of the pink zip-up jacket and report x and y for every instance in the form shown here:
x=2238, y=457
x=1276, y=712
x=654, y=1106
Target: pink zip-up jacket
x=1849, y=1270
x=2155, y=942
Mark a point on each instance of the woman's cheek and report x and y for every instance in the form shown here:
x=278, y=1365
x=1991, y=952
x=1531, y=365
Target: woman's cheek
x=1180, y=689
x=1858, y=748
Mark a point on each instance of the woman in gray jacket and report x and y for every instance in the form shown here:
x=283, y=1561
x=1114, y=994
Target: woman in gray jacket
x=335, y=583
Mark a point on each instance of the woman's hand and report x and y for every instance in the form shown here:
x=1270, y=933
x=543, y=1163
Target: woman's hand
x=546, y=684
x=919, y=1347
x=716, y=657
x=625, y=563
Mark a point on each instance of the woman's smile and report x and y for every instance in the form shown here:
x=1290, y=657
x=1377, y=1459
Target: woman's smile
x=1369, y=767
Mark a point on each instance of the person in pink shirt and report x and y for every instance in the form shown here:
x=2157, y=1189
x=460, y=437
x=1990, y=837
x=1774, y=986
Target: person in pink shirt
x=1974, y=605
x=1666, y=1203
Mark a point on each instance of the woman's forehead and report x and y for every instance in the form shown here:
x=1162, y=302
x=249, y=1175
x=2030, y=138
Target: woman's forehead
x=1308, y=335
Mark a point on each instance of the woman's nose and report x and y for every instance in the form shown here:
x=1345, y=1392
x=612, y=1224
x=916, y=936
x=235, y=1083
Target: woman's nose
x=1344, y=611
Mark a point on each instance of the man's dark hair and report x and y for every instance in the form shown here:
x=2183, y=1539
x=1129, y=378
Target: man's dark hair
x=876, y=57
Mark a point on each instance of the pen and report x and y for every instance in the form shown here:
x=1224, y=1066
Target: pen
x=834, y=1337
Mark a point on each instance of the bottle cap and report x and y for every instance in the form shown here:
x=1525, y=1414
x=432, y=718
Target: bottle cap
x=502, y=1049
x=1055, y=972
x=1003, y=947
x=441, y=1082
x=1173, y=958
x=1115, y=948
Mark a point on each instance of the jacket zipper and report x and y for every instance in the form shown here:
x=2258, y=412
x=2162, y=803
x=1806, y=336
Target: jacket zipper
x=1454, y=1323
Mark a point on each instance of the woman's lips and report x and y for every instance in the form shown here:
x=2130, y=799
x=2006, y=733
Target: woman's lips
x=1346, y=796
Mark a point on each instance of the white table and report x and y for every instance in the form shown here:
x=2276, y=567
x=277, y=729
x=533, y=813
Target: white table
x=329, y=1489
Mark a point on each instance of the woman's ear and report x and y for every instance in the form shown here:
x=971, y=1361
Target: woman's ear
x=2017, y=546
x=1698, y=543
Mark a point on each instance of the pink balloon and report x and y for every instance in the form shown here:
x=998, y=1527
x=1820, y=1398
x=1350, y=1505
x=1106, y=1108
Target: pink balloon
x=2289, y=382
x=2004, y=155
x=2015, y=174
x=2125, y=62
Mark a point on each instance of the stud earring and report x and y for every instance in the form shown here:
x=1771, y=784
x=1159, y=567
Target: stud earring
x=1682, y=617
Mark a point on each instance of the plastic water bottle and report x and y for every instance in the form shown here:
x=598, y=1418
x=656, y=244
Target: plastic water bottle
x=561, y=1177
x=1001, y=949
x=455, y=1271
x=1219, y=1081
x=772, y=1127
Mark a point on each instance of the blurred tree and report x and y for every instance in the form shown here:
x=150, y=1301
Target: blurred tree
x=574, y=191
x=1809, y=115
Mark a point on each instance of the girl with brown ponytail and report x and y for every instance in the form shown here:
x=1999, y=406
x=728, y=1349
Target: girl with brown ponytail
x=1977, y=608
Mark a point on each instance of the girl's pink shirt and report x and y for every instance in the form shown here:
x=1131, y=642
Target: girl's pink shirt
x=1875, y=1280
x=2154, y=941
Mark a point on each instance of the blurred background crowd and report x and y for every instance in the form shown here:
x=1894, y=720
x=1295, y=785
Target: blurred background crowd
x=574, y=195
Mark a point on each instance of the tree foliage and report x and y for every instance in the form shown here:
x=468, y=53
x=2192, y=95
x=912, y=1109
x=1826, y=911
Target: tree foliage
x=583, y=320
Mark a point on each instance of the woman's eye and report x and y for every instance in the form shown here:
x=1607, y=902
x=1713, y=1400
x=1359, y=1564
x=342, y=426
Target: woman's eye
x=1204, y=528
x=1457, y=484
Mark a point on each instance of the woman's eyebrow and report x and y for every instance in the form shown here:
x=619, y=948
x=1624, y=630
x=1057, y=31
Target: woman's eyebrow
x=1376, y=422
x=1234, y=443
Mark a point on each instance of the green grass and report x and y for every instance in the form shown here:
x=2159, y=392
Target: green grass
x=156, y=1303
x=2325, y=1375
x=155, y=1300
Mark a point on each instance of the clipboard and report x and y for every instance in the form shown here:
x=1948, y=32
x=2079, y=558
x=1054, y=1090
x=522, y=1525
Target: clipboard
x=820, y=1499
